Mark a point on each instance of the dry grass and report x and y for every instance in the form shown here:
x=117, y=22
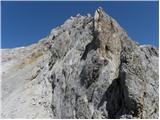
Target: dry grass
x=30, y=59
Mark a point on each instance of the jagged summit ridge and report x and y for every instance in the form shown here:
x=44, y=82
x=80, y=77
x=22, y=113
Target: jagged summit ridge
x=85, y=68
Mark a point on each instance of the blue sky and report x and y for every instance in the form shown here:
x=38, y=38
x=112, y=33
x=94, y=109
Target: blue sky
x=24, y=23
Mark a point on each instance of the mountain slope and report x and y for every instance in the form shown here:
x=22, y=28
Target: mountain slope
x=86, y=68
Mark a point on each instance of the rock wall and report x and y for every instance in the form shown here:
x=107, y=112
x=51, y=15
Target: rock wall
x=86, y=68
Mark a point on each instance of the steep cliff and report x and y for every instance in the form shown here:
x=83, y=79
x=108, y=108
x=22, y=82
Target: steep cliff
x=86, y=68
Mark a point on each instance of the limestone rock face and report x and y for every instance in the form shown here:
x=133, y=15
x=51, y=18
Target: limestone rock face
x=86, y=68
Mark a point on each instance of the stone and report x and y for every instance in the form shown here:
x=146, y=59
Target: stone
x=87, y=68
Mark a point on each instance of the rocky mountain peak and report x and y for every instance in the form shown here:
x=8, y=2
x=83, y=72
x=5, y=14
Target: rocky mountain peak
x=86, y=68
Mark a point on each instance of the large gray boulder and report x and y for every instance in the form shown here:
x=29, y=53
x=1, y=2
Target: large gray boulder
x=86, y=68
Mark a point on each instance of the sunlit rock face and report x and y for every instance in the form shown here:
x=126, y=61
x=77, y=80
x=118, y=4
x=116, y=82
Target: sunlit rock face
x=86, y=68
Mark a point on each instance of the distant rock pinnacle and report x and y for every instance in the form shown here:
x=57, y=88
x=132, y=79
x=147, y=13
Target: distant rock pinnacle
x=86, y=68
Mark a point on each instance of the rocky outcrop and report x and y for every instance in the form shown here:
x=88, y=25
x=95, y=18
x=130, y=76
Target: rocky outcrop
x=86, y=68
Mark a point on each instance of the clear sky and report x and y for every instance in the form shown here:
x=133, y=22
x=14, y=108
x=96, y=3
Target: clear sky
x=24, y=23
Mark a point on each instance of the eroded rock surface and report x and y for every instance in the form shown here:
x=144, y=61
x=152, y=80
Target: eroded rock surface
x=86, y=68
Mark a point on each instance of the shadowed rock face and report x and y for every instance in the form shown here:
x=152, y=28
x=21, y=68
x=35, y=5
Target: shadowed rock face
x=86, y=68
